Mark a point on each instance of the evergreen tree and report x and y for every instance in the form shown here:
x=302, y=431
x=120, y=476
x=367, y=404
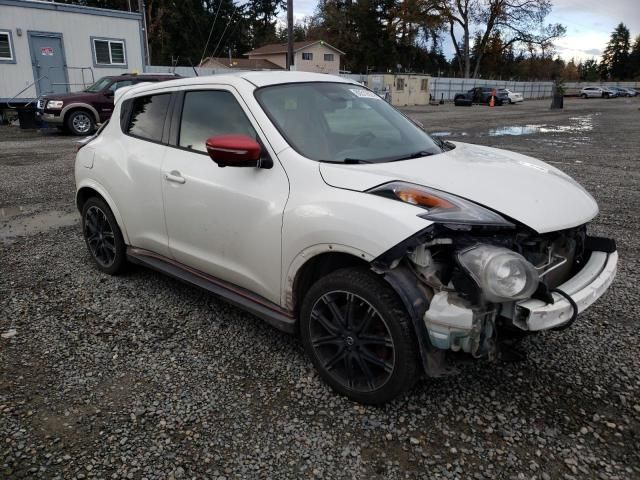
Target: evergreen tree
x=615, y=59
x=634, y=60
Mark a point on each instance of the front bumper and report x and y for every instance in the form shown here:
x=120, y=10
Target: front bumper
x=584, y=288
x=50, y=118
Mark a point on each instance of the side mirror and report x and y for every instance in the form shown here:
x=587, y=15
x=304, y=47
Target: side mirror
x=109, y=93
x=234, y=151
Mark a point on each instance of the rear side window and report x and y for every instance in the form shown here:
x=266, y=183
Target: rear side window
x=147, y=116
x=211, y=113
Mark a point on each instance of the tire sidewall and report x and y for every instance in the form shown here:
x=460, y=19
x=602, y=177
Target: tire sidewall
x=398, y=322
x=120, y=259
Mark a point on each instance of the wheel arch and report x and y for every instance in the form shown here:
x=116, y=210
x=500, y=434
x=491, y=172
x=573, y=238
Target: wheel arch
x=90, y=189
x=67, y=110
x=315, y=262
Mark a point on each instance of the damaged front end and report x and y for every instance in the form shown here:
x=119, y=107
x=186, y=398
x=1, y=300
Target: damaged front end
x=469, y=286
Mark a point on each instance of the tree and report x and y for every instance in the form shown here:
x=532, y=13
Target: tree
x=589, y=70
x=634, y=59
x=518, y=21
x=261, y=16
x=615, y=59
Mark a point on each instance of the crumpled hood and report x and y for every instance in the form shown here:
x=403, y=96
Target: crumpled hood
x=520, y=187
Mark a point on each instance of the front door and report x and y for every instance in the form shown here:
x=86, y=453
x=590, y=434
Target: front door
x=226, y=222
x=49, y=65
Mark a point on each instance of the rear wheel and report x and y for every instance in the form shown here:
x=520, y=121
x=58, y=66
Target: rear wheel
x=103, y=236
x=359, y=336
x=80, y=122
x=584, y=95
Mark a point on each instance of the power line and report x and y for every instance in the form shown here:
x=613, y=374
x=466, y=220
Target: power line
x=204, y=52
x=224, y=31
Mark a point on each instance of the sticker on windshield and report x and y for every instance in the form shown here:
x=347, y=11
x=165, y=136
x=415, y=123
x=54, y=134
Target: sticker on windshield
x=362, y=93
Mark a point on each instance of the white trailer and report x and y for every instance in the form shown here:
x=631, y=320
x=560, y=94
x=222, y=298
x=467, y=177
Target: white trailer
x=48, y=47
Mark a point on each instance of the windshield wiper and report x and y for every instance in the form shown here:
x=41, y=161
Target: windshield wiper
x=421, y=153
x=356, y=160
x=347, y=161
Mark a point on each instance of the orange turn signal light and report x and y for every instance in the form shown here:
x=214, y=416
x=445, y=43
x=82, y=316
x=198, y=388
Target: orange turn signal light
x=423, y=199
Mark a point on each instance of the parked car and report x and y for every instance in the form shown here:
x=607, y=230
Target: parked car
x=80, y=112
x=481, y=95
x=598, y=92
x=624, y=92
x=311, y=202
x=514, y=97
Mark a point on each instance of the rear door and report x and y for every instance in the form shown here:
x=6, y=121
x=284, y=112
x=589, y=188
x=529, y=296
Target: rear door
x=143, y=149
x=226, y=222
x=49, y=64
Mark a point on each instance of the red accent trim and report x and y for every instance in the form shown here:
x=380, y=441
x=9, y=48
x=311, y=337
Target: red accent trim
x=221, y=283
x=233, y=149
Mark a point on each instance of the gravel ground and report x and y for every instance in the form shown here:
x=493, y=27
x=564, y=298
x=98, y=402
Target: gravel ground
x=140, y=376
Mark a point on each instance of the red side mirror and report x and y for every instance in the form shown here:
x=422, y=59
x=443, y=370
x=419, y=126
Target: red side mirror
x=234, y=151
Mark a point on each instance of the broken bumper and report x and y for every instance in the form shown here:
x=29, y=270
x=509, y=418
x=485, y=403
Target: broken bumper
x=584, y=288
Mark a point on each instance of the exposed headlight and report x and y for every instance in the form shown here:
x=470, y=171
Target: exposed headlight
x=501, y=274
x=55, y=104
x=441, y=207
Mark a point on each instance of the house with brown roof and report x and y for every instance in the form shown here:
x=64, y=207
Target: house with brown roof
x=239, y=63
x=308, y=56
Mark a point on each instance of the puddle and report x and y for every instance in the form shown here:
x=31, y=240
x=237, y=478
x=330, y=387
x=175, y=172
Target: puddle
x=8, y=212
x=578, y=124
x=448, y=134
x=40, y=222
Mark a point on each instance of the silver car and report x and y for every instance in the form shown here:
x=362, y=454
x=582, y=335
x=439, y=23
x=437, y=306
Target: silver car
x=597, y=92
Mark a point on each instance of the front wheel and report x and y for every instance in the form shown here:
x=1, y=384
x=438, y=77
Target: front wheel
x=359, y=336
x=103, y=236
x=80, y=122
x=584, y=95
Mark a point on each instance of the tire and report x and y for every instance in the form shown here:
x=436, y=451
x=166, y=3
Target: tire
x=103, y=236
x=584, y=95
x=343, y=316
x=80, y=123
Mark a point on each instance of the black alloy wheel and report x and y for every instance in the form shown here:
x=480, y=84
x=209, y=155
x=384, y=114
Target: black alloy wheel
x=352, y=341
x=102, y=236
x=359, y=336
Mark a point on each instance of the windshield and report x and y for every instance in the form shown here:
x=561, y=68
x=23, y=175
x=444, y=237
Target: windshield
x=99, y=85
x=344, y=123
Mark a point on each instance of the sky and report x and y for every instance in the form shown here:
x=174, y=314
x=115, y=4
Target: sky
x=589, y=24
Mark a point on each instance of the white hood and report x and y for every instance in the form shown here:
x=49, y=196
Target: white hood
x=520, y=187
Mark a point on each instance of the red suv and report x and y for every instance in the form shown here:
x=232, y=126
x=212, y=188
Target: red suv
x=80, y=112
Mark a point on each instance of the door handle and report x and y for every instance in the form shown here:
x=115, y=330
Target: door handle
x=174, y=176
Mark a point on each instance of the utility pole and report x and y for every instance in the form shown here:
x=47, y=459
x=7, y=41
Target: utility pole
x=289, y=34
x=141, y=10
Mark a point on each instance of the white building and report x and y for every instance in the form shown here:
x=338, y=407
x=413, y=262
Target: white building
x=48, y=47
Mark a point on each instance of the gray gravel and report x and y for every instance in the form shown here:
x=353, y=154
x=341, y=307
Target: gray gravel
x=140, y=376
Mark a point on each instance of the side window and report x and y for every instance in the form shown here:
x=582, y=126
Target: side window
x=400, y=84
x=307, y=56
x=147, y=116
x=210, y=113
x=328, y=57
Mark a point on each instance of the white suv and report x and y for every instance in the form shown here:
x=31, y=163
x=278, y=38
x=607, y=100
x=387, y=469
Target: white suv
x=310, y=201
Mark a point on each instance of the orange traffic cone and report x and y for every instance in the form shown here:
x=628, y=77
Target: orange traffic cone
x=492, y=101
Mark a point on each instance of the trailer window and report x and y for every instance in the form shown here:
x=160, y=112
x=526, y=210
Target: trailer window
x=6, y=48
x=109, y=52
